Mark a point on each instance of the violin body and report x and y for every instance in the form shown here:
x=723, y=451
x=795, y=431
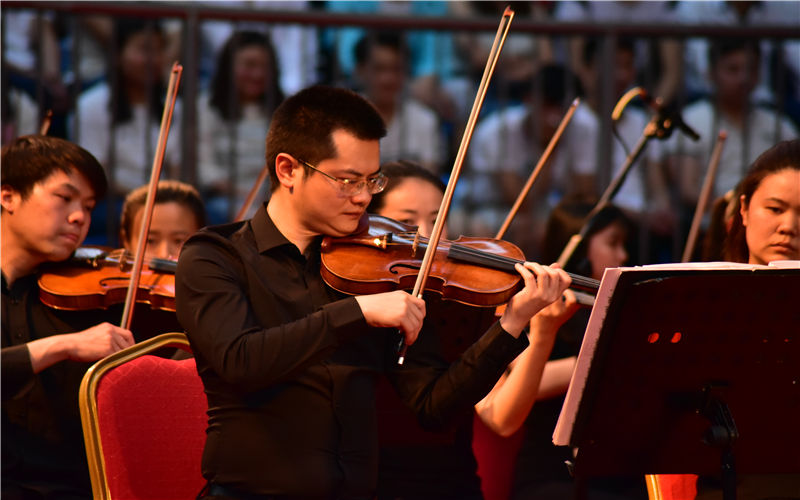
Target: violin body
x=384, y=258
x=75, y=286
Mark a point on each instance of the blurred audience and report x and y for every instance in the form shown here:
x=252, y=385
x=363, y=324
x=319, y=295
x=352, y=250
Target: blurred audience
x=751, y=128
x=233, y=119
x=413, y=130
x=507, y=145
x=118, y=121
x=658, y=61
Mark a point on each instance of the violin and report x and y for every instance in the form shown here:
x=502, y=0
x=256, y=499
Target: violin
x=387, y=256
x=96, y=278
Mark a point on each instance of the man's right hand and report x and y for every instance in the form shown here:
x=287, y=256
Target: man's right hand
x=396, y=309
x=88, y=345
x=99, y=341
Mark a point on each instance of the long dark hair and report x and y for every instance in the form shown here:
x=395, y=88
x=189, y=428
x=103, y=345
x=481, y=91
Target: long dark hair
x=566, y=219
x=784, y=155
x=224, y=97
x=124, y=30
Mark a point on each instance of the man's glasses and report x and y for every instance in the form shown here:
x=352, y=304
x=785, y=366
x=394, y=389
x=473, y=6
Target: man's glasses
x=352, y=187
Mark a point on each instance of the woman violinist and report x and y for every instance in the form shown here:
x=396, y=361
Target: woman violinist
x=49, y=188
x=177, y=214
x=766, y=225
x=423, y=465
x=539, y=471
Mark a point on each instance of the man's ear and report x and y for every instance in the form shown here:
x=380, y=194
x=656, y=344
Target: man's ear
x=286, y=171
x=10, y=198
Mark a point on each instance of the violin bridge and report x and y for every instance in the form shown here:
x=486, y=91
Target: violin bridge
x=415, y=245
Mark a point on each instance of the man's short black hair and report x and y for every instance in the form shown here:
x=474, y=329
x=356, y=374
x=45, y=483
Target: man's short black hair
x=591, y=48
x=33, y=158
x=303, y=124
x=552, y=82
x=721, y=47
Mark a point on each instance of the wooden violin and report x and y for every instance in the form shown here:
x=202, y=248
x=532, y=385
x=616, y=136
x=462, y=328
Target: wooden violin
x=387, y=256
x=96, y=278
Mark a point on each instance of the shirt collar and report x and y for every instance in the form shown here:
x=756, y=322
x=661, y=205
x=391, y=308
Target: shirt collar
x=266, y=234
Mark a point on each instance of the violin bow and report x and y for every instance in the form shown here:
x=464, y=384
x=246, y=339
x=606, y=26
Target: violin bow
x=705, y=193
x=46, y=121
x=438, y=226
x=251, y=196
x=542, y=161
x=158, y=161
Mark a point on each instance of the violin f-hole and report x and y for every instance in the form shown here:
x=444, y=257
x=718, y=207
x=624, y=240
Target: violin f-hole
x=402, y=265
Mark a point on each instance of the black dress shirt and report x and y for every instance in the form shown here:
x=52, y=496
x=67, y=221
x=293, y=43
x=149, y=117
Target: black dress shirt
x=290, y=366
x=42, y=439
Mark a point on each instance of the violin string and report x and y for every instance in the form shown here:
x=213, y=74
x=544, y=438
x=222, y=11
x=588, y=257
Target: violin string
x=499, y=259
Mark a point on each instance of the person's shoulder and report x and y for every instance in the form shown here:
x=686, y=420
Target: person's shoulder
x=220, y=233
x=418, y=111
x=701, y=107
x=223, y=237
x=511, y=117
x=585, y=117
x=96, y=94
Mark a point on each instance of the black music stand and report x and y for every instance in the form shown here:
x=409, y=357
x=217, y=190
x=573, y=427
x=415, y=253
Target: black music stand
x=684, y=368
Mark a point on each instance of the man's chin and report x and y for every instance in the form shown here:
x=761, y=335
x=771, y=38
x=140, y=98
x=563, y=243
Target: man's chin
x=62, y=253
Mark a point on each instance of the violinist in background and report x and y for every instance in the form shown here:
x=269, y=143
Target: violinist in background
x=289, y=365
x=540, y=471
x=49, y=188
x=766, y=225
x=415, y=464
x=178, y=212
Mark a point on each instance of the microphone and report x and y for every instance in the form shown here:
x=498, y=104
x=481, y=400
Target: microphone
x=668, y=118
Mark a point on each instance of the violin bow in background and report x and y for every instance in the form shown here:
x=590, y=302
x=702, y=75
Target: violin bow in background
x=542, y=161
x=155, y=174
x=660, y=126
x=705, y=193
x=438, y=226
x=44, y=128
x=251, y=196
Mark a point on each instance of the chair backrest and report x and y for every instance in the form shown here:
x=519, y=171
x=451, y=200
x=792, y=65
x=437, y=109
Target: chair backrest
x=144, y=421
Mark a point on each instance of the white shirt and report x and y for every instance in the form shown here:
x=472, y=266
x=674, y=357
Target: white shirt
x=135, y=141
x=413, y=134
x=501, y=144
x=630, y=127
x=762, y=130
x=224, y=146
x=720, y=13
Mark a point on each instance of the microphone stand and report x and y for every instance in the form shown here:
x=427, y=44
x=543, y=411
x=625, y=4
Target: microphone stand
x=660, y=126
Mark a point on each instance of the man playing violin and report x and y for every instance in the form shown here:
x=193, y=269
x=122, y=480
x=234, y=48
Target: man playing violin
x=49, y=188
x=289, y=365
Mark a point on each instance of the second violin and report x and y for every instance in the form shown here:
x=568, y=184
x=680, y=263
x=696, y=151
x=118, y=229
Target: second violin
x=97, y=279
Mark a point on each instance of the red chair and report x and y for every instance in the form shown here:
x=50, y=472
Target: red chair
x=495, y=456
x=144, y=421
x=671, y=486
